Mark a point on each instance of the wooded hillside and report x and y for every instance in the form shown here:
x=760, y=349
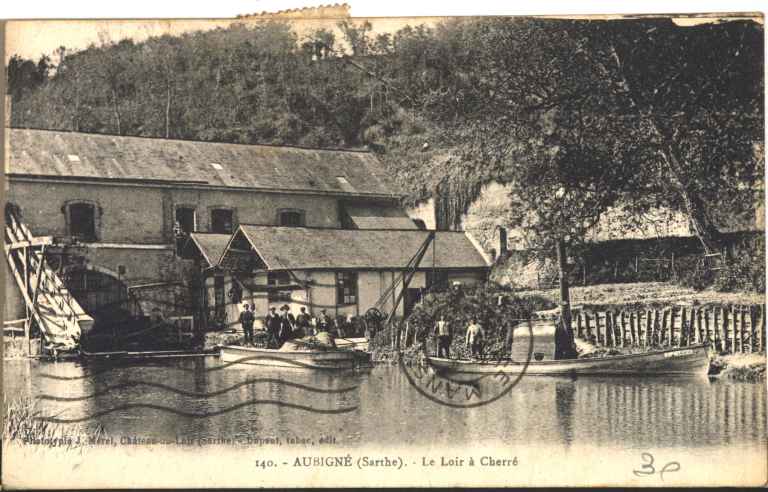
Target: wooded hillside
x=578, y=115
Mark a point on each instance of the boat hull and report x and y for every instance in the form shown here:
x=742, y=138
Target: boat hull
x=299, y=359
x=684, y=361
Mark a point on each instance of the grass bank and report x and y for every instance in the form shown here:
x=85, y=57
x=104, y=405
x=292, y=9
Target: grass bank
x=21, y=426
x=739, y=367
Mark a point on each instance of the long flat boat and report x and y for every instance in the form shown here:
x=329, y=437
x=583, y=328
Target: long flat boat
x=329, y=359
x=684, y=361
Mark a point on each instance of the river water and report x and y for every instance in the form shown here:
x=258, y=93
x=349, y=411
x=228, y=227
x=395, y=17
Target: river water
x=387, y=410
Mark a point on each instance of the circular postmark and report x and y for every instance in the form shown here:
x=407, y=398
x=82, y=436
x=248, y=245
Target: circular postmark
x=468, y=384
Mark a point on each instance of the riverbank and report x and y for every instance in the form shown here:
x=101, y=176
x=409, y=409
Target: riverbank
x=739, y=367
x=21, y=426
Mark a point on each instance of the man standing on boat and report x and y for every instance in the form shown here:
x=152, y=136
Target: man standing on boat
x=443, y=332
x=474, y=338
x=273, y=325
x=246, y=321
x=287, y=322
x=303, y=323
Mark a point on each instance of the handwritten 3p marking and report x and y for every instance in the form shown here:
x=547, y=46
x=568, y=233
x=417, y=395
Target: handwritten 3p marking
x=648, y=468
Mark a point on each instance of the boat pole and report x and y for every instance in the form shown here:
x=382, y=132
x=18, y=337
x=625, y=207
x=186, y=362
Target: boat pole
x=564, y=345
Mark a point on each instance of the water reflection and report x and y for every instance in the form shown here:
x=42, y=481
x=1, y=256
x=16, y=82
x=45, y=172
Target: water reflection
x=564, y=402
x=628, y=412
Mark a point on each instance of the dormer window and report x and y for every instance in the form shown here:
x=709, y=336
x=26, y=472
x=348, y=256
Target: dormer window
x=291, y=218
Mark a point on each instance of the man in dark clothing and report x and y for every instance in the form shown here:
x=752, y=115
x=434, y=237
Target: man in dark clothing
x=246, y=321
x=272, y=321
x=303, y=322
x=509, y=338
x=287, y=322
x=565, y=347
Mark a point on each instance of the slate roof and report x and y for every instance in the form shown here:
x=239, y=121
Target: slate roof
x=297, y=248
x=210, y=246
x=85, y=155
x=379, y=217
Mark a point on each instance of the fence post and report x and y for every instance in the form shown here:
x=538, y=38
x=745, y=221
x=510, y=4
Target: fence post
x=724, y=337
x=579, y=327
x=696, y=325
x=648, y=329
x=600, y=335
x=685, y=332
x=752, y=331
x=672, y=317
x=663, y=337
x=761, y=327
x=632, y=330
x=588, y=327
x=622, y=329
x=735, y=334
x=744, y=329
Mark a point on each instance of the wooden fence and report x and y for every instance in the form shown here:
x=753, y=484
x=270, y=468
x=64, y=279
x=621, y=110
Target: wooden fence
x=731, y=329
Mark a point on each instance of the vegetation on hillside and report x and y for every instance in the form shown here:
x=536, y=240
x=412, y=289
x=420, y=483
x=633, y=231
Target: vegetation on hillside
x=578, y=115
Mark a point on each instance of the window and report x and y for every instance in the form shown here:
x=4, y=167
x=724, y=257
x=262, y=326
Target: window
x=291, y=218
x=275, y=279
x=222, y=221
x=346, y=288
x=185, y=220
x=12, y=210
x=82, y=221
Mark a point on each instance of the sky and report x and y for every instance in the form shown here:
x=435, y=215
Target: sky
x=30, y=39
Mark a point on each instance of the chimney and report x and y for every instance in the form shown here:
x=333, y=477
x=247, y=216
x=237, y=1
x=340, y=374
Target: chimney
x=502, y=242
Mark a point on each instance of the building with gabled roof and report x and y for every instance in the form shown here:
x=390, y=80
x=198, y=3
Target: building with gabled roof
x=140, y=224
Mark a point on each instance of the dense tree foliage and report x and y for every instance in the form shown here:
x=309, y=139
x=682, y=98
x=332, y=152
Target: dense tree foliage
x=578, y=115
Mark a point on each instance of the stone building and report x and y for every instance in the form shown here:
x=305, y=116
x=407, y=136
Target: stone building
x=122, y=210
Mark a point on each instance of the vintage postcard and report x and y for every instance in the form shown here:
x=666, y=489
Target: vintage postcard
x=312, y=249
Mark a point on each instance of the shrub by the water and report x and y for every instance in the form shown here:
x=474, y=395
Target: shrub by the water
x=493, y=307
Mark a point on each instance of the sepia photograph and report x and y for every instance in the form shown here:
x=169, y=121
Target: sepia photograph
x=312, y=248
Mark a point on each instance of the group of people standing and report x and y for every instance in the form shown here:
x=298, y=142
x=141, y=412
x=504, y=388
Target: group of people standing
x=474, y=338
x=283, y=326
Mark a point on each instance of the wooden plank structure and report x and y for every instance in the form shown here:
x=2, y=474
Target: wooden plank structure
x=729, y=329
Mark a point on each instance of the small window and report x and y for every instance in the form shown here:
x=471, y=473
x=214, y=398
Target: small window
x=185, y=220
x=222, y=221
x=82, y=221
x=216, y=166
x=291, y=218
x=275, y=279
x=12, y=211
x=346, y=288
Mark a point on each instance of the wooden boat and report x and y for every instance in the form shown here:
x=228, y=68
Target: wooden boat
x=331, y=359
x=684, y=361
x=352, y=343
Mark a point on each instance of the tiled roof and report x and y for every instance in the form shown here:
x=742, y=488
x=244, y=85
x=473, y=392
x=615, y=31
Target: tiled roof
x=369, y=217
x=296, y=248
x=210, y=246
x=84, y=155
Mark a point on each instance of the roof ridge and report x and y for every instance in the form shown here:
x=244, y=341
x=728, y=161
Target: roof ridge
x=274, y=226
x=145, y=137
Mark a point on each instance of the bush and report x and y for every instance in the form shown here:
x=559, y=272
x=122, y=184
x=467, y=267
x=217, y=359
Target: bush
x=459, y=305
